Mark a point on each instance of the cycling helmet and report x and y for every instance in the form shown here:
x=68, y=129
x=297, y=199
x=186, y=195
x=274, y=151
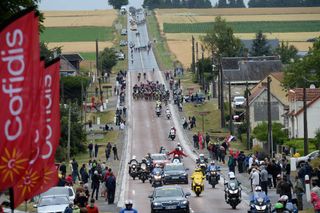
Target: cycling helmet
x=212, y=162
x=278, y=206
x=178, y=144
x=231, y=175
x=258, y=189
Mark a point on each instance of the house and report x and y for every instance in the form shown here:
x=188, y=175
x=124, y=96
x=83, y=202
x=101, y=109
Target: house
x=74, y=59
x=66, y=68
x=258, y=101
x=295, y=114
x=240, y=70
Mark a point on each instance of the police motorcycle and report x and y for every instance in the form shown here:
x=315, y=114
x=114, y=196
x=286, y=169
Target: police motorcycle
x=158, y=111
x=202, y=163
x=259, y=202
x=176, y=159
x=168, y=114
x=213, y=174
x=144, y=171
x=156, y=176
x=134, y=168
x=172, y=133
x=232, y=191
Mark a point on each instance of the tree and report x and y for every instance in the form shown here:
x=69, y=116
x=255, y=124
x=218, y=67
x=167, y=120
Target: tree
x=278, y=135
x=222, y=4
x=286, y=52
x=307, y=67
x=116, y=4
x=239, y=4
x=107, y=59
x=72, y=87
x=221, y=41
x=317, y=139
x=260, y=46
x=205, y=67
x=47, y=53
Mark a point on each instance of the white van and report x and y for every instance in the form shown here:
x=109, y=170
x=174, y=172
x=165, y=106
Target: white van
x=123, y=10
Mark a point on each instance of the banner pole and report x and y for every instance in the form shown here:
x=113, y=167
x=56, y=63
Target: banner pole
x=11, y=194
x=25, y=206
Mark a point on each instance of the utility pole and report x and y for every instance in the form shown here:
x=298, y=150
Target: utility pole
x=202, y=67
x=81, y=110
x=270, y=142
x=69, y=130
x=248, y=115
x=305, y=121
x=197, y=51
x=214, y=94
x=99, y=74
x=230, y=110
x=223, y=122
x=193, y=67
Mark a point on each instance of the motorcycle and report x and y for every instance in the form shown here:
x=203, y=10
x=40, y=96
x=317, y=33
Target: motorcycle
x=203, y=166
x=213, y=178
x=158, y=111
x=168, y=114
x=172, y=134
x=197, y=185
x=134, y=170
x=144, y=173
x=157, y=180
x=260, y=205
x=233, y=194
x=176, y=160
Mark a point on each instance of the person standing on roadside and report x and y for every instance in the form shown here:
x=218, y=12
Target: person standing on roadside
x=92, y=208
x=315, y=196
x=90, y=147
x=111, y=187
x=115, y=152
x=298, y=189
x=96, y=150
x=95, y=184
x=108, y=150
x=75, y=170
x=264, y=178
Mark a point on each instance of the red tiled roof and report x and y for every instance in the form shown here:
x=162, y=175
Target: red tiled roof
x=297, y=94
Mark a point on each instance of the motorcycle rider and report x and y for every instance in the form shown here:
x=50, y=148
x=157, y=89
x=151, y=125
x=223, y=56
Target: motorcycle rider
x=178, y=152
x=212, y=167
x=172, y=131
x=179, y=146
x=198, y=175
x=202, y=159
x=133, y=161
x=162, y=150
x=158, y=104
x=287, y=205
x=176, y=159
x=258, y=193
x=168, y=113
x=129, y=209
x=279, y=208
x=232, y=179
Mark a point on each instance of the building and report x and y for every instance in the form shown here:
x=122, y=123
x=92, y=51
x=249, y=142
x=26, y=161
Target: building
x=70, y=64
x=74, y=59
x=295, y=114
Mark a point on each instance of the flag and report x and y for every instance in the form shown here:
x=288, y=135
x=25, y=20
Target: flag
x=19, y=60
x=50, y=100
x=26, y=187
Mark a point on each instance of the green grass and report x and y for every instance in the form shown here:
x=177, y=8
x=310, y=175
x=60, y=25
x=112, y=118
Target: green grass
x=90, y=56
x=71, y=34
x=105, y=117
x=162, y=53
x=247, y=27
x=121, y=65
x=298, y=144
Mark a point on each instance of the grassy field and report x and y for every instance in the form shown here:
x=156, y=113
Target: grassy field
x=72, y=34
x=85, y=46
x=103, y=18
x=162, y=53
x=91, y=56
x=247, y=27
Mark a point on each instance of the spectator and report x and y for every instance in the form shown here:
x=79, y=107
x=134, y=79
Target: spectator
x=264, y=179
x=96, y=150
x=231, y=164
x=92, y=208
x=84, y=174
x=75, y=170
x=315, y=197
x=111, y=187
x=95, y=184
x=69, y=208
x=207, y=138
x=255, y=177
x=298, y=189
x=108, y=150
x=196, y=141
x=90, y=147
x=241, y=159
x=63, y=168
x=115, y=152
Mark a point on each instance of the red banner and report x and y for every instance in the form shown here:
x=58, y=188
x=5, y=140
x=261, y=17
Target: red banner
x=26, y=187
x=50, y=100
x=19, y=60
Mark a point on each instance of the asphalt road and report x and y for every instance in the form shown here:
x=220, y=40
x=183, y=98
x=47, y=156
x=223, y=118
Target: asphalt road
x=146, y=133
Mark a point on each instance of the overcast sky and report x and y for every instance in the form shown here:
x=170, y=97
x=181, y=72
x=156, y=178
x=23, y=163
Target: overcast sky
x=82, y=4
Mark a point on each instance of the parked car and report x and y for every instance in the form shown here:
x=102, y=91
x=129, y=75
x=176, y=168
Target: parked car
x=238, y=101
x=175, y=173
x=169, y=199
x=120, y=56
x=61, y=191
x=161, y=159
x=52, y=204
x=311, y=156
x=123, y=43
x=124, y=32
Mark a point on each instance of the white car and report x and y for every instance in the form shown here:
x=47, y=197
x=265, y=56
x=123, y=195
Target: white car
x=52, y=204
x=238, y=101
x=60, y=191
x=311, y=156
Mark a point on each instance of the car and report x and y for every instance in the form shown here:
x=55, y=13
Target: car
x=169, y=199
x=123, y=43
x=124, y=32
x=120, y=56
x=60, y=190
x=175, y=173
x=238, y=101
x=52, y=204
x=161, y=159
x=301, y=160
x=201, y=97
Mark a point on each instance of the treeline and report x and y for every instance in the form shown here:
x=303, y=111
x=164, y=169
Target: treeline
x=230, y=4
x=177, y=4
x=283, y=3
